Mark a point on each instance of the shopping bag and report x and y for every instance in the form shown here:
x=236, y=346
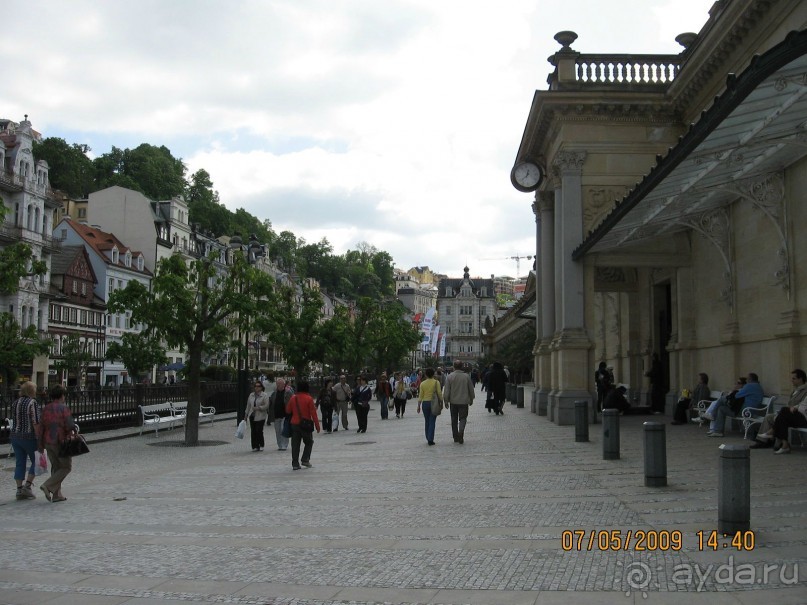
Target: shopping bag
x=241, y=430
x=40, y=463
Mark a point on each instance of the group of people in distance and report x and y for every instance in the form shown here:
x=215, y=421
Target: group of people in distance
x=275, y=402
x=748, y=394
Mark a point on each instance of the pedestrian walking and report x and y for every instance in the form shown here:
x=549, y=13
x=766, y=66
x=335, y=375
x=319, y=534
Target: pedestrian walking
x=55, y=426
x=430, y=400
x=383, y=392
x=459, y=395
x=325, y=406
x=496, y=384
x=399, y=398
x=257, y=411
x=304, y=419
x=361, y=403
x=283, y=393
x=25, y=414
x=341, y=397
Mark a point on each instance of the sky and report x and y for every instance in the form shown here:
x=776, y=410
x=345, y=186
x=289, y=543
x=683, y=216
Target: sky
x=393, y=122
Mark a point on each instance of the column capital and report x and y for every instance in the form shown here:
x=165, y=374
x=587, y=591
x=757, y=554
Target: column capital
x=569, y=160
x=545, y=201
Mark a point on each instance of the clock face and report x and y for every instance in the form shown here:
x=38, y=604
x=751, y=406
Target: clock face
x=526, y=176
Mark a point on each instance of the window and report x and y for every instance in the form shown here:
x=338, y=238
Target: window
x=120, y=284
x=82, y=213
x=75, y=287
x=449, y=291
x=140, y=263
x=127, y=260
x=84, y=289
x=111, y=285
x=115, y=255
x=448, y=310
x=483, y=311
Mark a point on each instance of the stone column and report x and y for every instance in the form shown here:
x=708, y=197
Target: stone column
x=572, y=343
x=545, y=328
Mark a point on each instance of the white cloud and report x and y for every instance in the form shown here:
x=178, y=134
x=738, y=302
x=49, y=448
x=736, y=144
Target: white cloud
x=393, y=122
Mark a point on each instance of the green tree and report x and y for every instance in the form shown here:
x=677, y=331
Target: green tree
x=75, y=358
x=336, y=334
x=390, y=337
x=298, y=328
x=138, y=352
x=204, y=206
x=17, y=347
x=70, y=169
x=151, y=170
x=196, y=307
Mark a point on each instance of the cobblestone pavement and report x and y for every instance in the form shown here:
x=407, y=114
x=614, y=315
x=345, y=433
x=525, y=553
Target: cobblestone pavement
x=384, y=518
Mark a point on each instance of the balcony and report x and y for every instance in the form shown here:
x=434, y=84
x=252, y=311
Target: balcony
x=575, y=71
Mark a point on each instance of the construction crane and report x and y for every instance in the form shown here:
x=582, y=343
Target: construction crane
x=517, y=258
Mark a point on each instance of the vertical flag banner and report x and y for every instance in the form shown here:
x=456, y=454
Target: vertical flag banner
x=443, y=346
x=426, y=328
x=435, y=336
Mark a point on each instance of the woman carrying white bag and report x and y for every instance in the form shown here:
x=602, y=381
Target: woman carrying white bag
x=256, y=413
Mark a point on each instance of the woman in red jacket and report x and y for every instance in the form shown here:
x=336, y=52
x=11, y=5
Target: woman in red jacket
x=304, y=418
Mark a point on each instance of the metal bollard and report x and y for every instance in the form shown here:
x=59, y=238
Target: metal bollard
x=610, y=434
x=581, y=421
x=520, y=396
x=734, y=489
x=655, y=454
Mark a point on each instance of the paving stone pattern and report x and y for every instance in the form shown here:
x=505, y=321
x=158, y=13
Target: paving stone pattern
x=384, y=518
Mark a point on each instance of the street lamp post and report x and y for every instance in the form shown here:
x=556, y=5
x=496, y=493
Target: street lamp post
x=253, y=250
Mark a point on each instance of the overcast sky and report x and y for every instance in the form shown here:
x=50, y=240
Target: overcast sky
x=389, y=121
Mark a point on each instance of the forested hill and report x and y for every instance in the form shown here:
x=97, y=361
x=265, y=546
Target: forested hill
x=158, y=175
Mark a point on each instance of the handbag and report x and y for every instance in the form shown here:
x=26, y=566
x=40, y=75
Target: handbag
x=241, y=430
x=286, y=430
x=73, y=446
x=306, y=424
x=437, y=407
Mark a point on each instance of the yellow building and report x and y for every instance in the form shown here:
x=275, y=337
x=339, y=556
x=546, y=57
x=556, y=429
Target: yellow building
x=668, y=216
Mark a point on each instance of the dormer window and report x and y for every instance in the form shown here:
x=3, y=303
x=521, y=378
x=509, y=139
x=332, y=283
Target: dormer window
x=115, y=255
x=140, y=262
x=449, y=291
x=128, y=259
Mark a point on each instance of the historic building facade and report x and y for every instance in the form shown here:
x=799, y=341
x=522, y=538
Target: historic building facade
x=114, y=265
x=77, y=314
x=668, y=217
x=30, y=210
x=464, y=306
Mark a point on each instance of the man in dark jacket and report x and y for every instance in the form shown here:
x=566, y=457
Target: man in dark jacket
x=497, y=381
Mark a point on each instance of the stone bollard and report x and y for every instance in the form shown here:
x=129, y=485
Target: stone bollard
x=581, y=421
x=520, y=396
x=655, y=454
x=610, y=434
x=511, y=395
x=734, y=489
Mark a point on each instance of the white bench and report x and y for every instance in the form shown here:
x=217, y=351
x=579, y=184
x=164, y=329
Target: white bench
x=793, y=431
x=181, y=410
x=704, y=404
x=752, y=416
x=157, y=415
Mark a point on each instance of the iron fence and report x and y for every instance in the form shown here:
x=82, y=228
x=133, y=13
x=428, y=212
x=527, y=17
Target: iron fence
x=105, y=408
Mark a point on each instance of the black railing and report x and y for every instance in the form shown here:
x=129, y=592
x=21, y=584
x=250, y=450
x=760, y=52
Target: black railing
x=107, y=408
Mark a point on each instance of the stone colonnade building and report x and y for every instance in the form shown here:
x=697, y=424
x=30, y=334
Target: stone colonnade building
x=669, y=216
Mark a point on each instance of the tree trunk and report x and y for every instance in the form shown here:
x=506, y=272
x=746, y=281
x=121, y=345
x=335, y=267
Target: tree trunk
x=194, y=403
